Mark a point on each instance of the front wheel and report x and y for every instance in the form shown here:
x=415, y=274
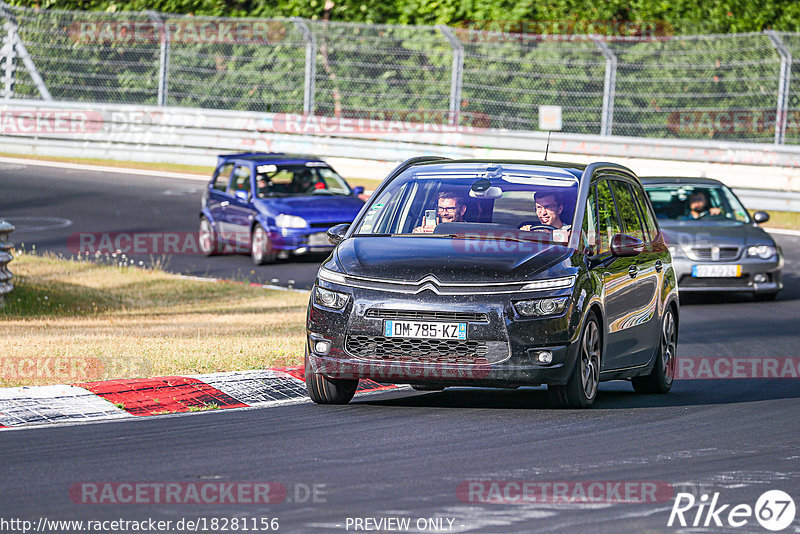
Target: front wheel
x=324, y=390
x=581, y=389
x=661, y=377
x=207, y=238
x=261, y=247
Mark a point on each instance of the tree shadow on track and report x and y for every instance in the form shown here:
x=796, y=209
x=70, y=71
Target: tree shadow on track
x=615, y=395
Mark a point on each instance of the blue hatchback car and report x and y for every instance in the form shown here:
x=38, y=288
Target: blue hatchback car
x=273, y=205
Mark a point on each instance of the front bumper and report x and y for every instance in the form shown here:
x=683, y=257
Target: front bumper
x=771, y=269
x=499, y=350
x=299, y=240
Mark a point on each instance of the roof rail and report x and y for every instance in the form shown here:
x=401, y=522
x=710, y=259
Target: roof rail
x=223, y=157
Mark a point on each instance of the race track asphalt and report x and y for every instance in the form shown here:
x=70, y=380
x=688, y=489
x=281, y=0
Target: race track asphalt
x=404, y=453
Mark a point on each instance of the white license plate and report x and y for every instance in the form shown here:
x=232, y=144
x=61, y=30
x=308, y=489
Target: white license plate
x=716, y=271
x=425, y=330
x=319, y=240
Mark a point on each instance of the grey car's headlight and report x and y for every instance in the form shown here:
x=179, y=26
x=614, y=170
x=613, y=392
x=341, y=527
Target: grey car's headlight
x=290, y=221
x=764, y=252
x=541, y=307
x=330, y=299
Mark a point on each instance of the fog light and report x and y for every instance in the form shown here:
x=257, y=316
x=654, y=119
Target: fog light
x=760, y=278
x=322, y=347
x=544, y=356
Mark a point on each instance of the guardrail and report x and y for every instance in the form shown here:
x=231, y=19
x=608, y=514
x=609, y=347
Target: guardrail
x=195, y=136
x=5, y=257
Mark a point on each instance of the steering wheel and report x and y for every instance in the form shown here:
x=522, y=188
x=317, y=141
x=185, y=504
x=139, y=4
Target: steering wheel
x=540, y=227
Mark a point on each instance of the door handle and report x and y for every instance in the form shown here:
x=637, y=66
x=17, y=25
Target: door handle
x=224, y=203
x=633, y=271
x=658, y=266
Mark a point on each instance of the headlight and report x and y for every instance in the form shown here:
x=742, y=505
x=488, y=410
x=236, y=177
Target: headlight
x=331, y=276
x=290, y=221
x=762, y=251
x=551, y=283
x=330, y=299
x=541, y=307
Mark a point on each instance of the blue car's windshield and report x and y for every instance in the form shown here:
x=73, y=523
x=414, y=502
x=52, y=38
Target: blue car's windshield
x=313, y=178
x=700, y=203
x=517, y=202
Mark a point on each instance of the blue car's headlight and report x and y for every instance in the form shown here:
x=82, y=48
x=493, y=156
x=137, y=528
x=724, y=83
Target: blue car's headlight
x=290, y=221
x=764, y=252
x=330, y=299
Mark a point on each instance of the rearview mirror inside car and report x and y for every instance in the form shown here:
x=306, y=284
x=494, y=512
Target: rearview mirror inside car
x=336, y=233
x=624, y=246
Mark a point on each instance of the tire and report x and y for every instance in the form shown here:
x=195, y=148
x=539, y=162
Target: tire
x=425, y=387
x=207, y=238
x=260, y=247
x=324, y=390
x=581, y=389
x=765, y=297
x=663, y=374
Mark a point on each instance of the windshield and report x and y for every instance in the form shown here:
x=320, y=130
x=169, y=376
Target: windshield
x=696, y=202
x=445, y=201
x=313, y=178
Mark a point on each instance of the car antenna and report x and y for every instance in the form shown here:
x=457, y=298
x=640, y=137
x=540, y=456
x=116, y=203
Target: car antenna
x=547, y=148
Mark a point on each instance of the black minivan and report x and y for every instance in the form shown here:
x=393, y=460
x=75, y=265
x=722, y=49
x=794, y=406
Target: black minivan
x=496, y=274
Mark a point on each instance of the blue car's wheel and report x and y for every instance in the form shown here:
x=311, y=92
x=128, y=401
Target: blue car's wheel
x=261, y=248
x=207, y=238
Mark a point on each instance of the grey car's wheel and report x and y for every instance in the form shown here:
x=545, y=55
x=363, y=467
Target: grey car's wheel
x=261, y=247
x=663, y=374
x=581, y=389
x=207, y=238
x=324, y=390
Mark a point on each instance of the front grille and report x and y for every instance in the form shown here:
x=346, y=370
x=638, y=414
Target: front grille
x=417, y=350
x=707, y=253
x=739, y=282
x=420, y=315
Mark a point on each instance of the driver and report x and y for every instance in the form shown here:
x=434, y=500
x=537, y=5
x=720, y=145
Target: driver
x=263, y=185
x=699, y=205
x=302, y=182
x=548, y=209
x=450, y=208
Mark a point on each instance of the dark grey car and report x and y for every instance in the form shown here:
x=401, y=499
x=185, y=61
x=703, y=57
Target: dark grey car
x=716, y=247
x=500, y=274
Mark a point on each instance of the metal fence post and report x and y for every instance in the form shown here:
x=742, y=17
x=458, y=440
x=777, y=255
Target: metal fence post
x=5, y=256
x=310, y=76
x=457, y=73
x=782, y=107
x=609, y=86
x=20, y=50
x=7, y=57
x=163, y=59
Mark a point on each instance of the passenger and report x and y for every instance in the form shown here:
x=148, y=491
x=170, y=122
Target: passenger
x=450, y=208
x=548, y=209
x=262, y=185
x=699, y=205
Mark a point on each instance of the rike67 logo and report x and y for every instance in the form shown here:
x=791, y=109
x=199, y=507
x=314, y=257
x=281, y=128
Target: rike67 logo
x=774, y=510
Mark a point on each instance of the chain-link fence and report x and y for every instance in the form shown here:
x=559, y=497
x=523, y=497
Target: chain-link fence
x=742, y=87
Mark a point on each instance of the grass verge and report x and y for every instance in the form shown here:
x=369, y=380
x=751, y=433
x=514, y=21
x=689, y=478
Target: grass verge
x=789, y=220
x=74, y=321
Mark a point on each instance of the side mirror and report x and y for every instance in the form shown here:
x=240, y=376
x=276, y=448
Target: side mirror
x=336, y=233
x=624, y=246
x=242, y=195
x=760, y=217
x=357, y=191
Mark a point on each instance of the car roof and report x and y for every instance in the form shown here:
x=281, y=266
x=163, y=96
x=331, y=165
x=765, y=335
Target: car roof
x=575, y=169
x=267, y=157
x=678, y=180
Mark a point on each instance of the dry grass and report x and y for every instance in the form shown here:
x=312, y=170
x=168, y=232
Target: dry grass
x=783, y=219
x=69, y=321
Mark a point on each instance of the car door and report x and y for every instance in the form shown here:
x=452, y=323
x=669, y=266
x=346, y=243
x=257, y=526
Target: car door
x=641, y=319
x=239, y=214
x=217, y=198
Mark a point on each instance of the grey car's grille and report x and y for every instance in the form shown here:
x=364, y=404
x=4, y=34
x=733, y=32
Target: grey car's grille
x=714, y=253
x=733, y=283
x=425, y=315
x=405, y=350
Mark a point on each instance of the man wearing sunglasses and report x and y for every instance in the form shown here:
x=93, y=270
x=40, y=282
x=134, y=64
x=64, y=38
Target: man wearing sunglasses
x=450, y=208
